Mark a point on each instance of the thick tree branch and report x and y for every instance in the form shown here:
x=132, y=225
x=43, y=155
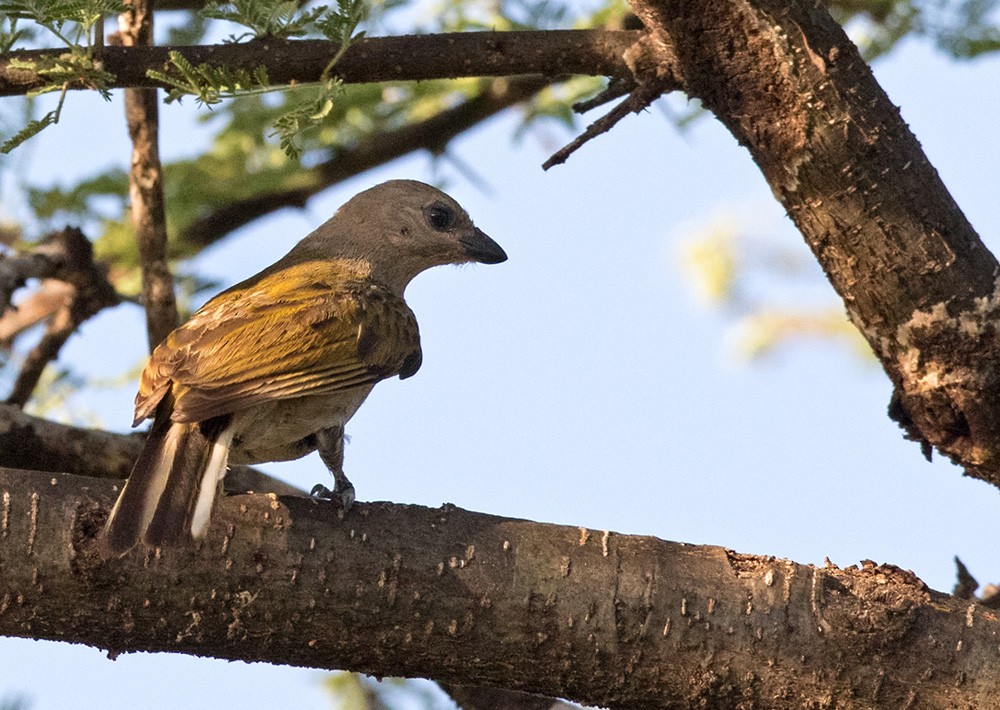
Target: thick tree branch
x=915, y=277
x=145, y=185
x=431, y=134
x=601, y=618
x=408, y=58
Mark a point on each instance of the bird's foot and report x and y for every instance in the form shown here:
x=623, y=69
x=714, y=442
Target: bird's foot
x=344, y=495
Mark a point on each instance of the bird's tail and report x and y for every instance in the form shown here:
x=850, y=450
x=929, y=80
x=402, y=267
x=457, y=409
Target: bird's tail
x=170, y=492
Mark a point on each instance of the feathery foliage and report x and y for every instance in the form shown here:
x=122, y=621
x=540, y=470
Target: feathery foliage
x=207, y=83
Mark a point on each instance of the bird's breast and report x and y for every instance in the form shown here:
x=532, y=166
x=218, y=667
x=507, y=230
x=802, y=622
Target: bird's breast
x=281, y=430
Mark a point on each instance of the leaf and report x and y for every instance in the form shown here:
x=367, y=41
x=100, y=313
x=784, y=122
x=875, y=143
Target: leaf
x=54, y=14
x=32, y=129
x=207, y=83
x=267, y=18
x=291, y=125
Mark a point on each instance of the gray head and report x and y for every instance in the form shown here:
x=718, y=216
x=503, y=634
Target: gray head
x=401, y=228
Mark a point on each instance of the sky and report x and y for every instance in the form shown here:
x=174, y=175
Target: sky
x=584, y=382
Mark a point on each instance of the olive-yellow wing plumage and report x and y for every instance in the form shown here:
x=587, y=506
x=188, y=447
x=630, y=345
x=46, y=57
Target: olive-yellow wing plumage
x=311, y=329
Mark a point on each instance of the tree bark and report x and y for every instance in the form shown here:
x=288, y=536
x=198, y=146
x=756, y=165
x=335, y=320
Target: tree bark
x=605, y=619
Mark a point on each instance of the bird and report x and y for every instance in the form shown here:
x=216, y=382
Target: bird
x=272, y=368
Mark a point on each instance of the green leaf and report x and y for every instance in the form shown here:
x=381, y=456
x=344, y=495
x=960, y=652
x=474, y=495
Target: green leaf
x=268, y=18
x=207, y=83
x=54, y=14
x=290, y=126
x=32, y=129
x=339, y=26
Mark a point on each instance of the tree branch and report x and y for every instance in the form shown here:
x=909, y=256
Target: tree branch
x=601, y=618
x=431, y=134
x=61, y=324
x=66, y=257
x=407, y=58
x=38, y=444
x=145, y=183
x=33, y=309
x=638, y=100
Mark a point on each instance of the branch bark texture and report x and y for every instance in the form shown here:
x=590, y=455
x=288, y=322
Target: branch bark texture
x=406, y=58
x=915, y=277
x=605, y=619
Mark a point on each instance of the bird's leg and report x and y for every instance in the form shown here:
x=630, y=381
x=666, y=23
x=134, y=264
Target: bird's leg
x=330, y=443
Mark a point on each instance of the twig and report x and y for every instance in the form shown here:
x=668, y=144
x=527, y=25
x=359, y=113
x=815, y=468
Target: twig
x=602, y=125
x=146, y=185
x=637, y=101
x=433, y=133
x=616, y=88
x=966, y=585
x=471, y=175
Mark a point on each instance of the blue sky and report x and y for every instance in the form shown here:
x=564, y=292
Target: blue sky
x=583, y=382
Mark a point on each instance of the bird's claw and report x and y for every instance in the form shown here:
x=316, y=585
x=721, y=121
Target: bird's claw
x=344, y=495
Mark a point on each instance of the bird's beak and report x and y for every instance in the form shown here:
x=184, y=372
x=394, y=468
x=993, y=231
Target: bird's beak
x=481, y=248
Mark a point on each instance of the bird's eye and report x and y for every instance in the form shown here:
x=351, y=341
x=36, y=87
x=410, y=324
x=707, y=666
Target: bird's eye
x=440, y=217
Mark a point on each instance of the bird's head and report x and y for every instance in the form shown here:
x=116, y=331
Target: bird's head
x=401, y=228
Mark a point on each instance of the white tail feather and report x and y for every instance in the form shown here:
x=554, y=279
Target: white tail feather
x=214, y=472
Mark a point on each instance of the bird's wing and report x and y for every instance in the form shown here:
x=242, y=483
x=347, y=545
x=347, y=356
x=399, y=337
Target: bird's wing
x=292, y=333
